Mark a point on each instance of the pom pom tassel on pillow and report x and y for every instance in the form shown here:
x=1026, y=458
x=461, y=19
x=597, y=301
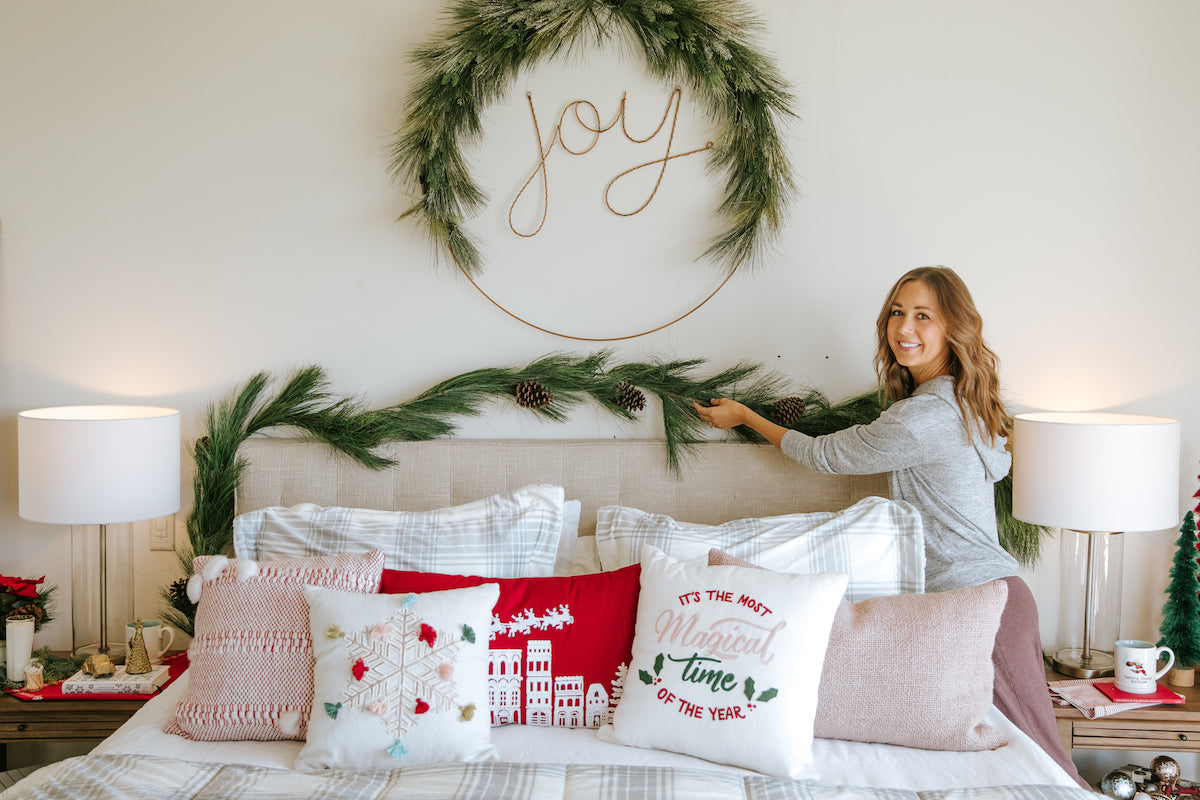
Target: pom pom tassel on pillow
x=214, y=567
x=244, y=570
x=194, y=585
x=289, y=723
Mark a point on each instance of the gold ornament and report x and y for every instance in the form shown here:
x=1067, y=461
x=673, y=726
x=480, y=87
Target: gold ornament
x=1166, y=770
x=138, y=660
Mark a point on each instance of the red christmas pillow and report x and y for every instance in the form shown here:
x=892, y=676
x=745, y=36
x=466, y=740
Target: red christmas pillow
x=558, y=648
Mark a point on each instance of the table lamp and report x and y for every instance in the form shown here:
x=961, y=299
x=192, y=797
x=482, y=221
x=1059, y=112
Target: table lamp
x=97, y=465
x=1095, y=476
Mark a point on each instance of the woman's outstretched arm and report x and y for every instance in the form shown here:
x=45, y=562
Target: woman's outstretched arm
x=723, y=414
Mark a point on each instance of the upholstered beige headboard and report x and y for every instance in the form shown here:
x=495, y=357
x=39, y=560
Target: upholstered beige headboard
x=720, y=481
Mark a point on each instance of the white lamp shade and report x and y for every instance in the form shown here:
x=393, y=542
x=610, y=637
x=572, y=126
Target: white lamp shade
x=98, y=465
x=1096, y=471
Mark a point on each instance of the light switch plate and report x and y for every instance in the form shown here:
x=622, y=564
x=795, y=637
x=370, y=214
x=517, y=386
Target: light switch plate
x=162, y=533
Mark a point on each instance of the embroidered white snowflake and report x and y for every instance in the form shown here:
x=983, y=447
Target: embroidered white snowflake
x=406, y=669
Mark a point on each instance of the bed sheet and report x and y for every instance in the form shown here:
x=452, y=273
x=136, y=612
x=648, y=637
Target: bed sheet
x=840, y=763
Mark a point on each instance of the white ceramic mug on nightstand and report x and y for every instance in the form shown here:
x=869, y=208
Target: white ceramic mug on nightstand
x=157, y=636
x=1137, y=669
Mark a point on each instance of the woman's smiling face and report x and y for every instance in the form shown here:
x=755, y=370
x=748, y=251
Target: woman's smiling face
x=916, y=332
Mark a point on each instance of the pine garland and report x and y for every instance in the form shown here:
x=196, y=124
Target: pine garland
x=705, y=44
x=1022, y=539
x=54, y=669
x=305, y=402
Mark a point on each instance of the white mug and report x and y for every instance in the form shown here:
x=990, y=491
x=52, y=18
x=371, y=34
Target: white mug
x=157, y=636
x=1137, y=669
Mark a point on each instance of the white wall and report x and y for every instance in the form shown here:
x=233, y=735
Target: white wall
x=190, y=193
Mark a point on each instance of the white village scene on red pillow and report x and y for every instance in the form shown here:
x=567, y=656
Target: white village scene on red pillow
x=550, y=699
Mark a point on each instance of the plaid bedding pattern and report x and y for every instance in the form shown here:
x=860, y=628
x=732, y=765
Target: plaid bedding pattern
x=123, y=777
x=510, y=535
x=879, y=543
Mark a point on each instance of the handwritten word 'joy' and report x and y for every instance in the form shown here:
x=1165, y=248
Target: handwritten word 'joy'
x=597, y=130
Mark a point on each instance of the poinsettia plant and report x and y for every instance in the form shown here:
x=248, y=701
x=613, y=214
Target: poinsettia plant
x=20, y=596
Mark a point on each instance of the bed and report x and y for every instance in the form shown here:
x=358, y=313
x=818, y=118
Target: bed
x=592, y=514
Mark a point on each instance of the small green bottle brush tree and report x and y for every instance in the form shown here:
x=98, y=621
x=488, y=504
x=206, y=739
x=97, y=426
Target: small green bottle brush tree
x=1180, y=629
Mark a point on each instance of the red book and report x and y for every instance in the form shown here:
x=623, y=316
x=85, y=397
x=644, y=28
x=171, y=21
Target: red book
x=1161, y=694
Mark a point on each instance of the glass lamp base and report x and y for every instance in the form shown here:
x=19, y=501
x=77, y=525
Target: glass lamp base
x=1072, y=661
x=114, y=650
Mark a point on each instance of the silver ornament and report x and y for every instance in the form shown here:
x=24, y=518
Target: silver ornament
x=1118, y=785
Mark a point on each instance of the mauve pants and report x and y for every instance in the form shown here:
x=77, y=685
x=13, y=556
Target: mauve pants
x=1019, y=689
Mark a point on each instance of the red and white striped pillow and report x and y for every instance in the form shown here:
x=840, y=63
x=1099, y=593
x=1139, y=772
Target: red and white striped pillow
x=251, y=671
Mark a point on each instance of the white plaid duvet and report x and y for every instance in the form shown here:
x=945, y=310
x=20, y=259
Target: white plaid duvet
x=117, y=777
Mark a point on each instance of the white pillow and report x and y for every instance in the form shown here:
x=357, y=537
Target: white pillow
x=512, y=535
x=727, y=662
x=565, y=555
x=586, y=560
x=400, y=679
x=879, y=543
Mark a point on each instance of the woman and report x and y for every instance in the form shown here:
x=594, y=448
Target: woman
x=942, y=444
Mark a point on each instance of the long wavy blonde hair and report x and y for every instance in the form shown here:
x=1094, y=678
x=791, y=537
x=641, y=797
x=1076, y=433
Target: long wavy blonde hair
x=973, y=365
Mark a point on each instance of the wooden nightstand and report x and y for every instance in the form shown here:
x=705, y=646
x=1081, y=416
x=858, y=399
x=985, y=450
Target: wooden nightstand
x=1166, y=728
x=60, y=720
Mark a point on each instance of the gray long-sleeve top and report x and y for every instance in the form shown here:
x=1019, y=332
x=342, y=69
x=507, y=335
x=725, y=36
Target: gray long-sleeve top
x=922, y=443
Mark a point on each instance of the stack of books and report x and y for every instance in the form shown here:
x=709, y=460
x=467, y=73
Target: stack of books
x=1098, y=697
x=120, y=682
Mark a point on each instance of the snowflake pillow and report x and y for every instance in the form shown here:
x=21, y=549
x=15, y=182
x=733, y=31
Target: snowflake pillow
x=399, y=680
x=559, y=647
x=726, y=664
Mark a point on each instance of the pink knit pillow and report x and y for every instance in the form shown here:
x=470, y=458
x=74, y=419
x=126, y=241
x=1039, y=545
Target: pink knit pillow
x=251, y=670
x=910, y=669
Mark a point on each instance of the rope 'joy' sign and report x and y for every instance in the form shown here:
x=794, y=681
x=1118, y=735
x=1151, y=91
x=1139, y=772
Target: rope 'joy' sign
x=701, y=44
x=594, y=127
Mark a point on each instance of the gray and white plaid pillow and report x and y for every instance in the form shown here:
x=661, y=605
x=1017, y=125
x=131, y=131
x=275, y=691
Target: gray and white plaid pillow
x=879, y=543
x=510, y=535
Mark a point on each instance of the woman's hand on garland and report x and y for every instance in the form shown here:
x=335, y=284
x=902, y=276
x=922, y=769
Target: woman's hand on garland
x=723, y=413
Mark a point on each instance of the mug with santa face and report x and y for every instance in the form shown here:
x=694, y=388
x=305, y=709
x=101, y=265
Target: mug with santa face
x=1137, y=670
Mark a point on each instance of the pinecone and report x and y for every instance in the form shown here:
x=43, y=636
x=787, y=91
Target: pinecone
x=787, y=410
x=533, y=395
x=177, y=594
x=629, y=397
x=29, y=609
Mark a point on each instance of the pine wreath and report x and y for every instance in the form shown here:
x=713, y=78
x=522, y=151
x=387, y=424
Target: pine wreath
x=705, y=44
